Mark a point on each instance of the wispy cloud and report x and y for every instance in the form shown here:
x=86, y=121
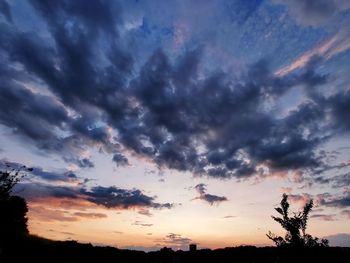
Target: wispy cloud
x=140, y=223
x=336, y=44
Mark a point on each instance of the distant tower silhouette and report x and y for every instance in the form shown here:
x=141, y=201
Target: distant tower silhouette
x=193, y=247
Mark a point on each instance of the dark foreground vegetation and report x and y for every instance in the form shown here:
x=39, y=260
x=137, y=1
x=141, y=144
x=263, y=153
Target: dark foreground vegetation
x=17, y=245
x=35, y=249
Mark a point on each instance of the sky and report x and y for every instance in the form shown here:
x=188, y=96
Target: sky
x=165, y=123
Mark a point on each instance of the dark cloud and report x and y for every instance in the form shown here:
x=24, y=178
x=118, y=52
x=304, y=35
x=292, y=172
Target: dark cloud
x=37, y=114
x=55, y=176
x=235, y=109
x=38, y=173
x=340, y=110
x=9, y=166
x=239, y=11
x=5, y=10
x=91, y=94
x=85, y=163
x=341, y=202
x=120, y=159
x=109, y=197
x=313, y=12
x=33, y=115
x=114, y=197
x=325, y=199
x=98, y=15
x=39, y=191
x=211, y=199
x=337, y=181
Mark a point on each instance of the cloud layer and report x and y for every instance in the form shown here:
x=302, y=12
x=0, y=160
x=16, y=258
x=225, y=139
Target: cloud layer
x=81, y=87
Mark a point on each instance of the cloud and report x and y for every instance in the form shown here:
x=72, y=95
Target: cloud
x=174, y=240
x=346, y=213
x=85, y=163
x=341, y=240
x=114, y=197
x=334, y=45
x=78, y=196
x=318, y=199
x=43, y=118
x=341, y=202
x=36, y=173
x=139, y=223
x=301, y=199
x=90, y=215
x=337, y=181
x=66, y=176
x=5, y=10
x=97, y=16
x=286, y=190
x=145, y=212
x=313, y=12
x=48, y=214
x=324, y=199
x=227, y=217
x=83, y=88
x=32, y=115
x=120, y=159
x=239, y=11
x=43, y=214
x=324, y=217
x=209, y=198
x=39, y=191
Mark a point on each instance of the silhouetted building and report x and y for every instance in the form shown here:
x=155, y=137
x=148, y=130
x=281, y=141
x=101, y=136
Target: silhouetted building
x=193, y=247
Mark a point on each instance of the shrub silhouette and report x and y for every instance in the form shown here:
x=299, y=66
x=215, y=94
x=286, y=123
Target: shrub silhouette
x=295, y=226
x=13, y=209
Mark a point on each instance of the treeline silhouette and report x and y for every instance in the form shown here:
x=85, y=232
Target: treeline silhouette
x=17, y=245
x=36, y=249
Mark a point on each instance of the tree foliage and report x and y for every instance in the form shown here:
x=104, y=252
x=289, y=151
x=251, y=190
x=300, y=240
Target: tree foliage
x=13, y=209
x=295, y=226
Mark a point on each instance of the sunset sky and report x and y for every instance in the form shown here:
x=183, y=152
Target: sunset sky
x=163, y=123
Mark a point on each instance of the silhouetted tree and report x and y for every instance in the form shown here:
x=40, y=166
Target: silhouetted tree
x=295, y=226
x=13, y=209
